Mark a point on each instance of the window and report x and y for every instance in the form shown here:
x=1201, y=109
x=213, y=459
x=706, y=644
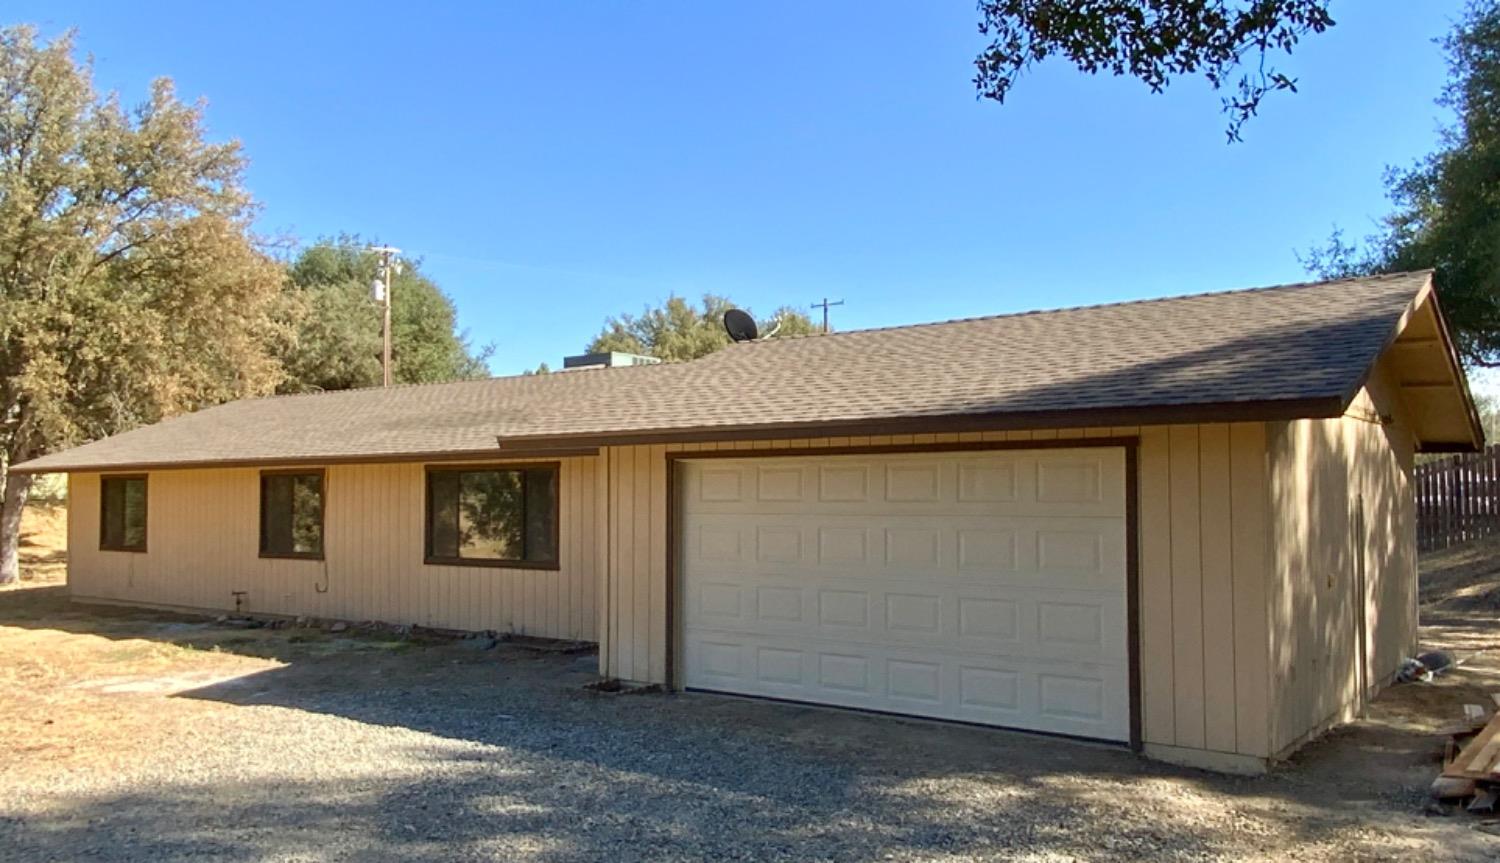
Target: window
x=122, y=513
x=493, y=516
x=291, y=514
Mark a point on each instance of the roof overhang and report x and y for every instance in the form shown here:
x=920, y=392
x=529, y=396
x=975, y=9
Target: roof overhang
x=481, y=456
x=1429, y=378
x=588, y=443
x=1218, y=412
x=1385, y=334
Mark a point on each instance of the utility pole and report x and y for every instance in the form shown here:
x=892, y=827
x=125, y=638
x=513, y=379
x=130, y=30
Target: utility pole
x=388, y=265
x=824, y=306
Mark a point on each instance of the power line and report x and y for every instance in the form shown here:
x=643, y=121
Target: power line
x=824, y=306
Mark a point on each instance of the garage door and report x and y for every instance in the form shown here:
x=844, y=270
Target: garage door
x=985, y=587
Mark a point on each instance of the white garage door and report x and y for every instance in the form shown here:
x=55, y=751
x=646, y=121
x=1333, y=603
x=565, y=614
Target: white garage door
x=979, y=586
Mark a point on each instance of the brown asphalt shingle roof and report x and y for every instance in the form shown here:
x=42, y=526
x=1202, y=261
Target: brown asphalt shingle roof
x=1281, y=352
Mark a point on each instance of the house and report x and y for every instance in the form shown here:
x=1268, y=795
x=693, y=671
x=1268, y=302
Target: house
x=1185, y=525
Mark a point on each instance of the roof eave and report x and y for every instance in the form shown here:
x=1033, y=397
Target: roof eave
x=1475, y=443
x=588, y=443
x=1476, y=424
x=1447, y=448
x=1219, y=412
x=476, y=456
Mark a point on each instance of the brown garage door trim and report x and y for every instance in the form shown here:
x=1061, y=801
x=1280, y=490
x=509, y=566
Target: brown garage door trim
x=1132, y=530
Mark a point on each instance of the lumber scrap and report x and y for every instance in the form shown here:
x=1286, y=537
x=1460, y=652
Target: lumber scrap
x=1465, y=728
x=1449, y=788
x=1477, y=760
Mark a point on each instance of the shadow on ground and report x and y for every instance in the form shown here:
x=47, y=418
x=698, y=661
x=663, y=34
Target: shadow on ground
x=367, y=748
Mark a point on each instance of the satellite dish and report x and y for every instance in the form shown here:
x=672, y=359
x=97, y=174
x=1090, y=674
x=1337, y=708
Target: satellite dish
x=740, y=326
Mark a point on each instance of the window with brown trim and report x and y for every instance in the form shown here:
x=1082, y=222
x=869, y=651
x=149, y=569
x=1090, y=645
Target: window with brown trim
x=500, y=516
x=122, y=513
x=291, y=513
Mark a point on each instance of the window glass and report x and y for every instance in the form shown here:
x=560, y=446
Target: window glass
x=291, y=514
x=122, y=522
x=541, y=513
x=442, y=514
x=490, y=512
x=499, y=515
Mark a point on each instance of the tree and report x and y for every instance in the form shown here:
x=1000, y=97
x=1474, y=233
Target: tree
x=337, y=342
x=677, y=330
x=130, y=285
x=1154, y=41
x=1447, y=206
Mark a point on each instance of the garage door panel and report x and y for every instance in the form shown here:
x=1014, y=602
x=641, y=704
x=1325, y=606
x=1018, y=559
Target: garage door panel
x=913, y=509
x=1035, y=482
x=984, y=587
x=1056, y=697
x=1081, y=553
x=1001, y=621
x=779, y=604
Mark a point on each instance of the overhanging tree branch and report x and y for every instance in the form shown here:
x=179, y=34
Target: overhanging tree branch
x=1151, y=40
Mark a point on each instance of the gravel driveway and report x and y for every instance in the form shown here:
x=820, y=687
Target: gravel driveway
x=288, y=747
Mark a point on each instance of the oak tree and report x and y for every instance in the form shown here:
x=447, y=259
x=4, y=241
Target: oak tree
x=1151, y=40
x=678, y=330
x=131, y=286
x=1446, y=213
x=337, y=341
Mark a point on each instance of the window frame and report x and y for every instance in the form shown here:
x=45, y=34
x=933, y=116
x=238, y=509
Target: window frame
x=322, y=474
x=145, y=512
x=429, y=559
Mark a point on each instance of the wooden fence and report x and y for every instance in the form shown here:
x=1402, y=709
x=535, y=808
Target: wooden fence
x=1458, y=499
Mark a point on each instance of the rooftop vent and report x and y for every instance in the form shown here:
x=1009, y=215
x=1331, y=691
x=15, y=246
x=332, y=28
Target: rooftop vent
x=608, y=360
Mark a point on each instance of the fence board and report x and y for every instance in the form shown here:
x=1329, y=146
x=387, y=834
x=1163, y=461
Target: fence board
x=1458, y=499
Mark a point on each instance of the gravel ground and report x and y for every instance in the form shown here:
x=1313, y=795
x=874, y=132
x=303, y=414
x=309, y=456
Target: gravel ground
x=288, y=746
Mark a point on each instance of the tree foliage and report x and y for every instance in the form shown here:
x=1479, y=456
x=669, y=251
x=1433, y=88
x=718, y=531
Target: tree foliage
x=678, y=330
x=1447, y=206
x=1153, y=41
x=337, y=341
x=130, y=285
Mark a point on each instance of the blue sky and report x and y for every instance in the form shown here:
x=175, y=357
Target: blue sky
x=555, y=163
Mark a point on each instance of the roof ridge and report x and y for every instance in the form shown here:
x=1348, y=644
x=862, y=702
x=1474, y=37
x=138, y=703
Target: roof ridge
x=419, y=384
x=789, y=338
x=1271, y=353
x=1091, y=306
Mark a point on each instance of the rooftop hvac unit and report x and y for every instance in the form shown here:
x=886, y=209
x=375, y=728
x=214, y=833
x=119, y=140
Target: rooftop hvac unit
x=608, y=360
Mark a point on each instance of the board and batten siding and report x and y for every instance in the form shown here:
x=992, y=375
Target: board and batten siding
x=1245, y=551
x=1203, y=499
x=203, y=544
x=1343, y=489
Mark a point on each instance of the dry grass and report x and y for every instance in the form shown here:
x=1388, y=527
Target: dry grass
x=87, y=701
x=81, y=688
x=44, y=546
x=90, y=687
x=1462, y=579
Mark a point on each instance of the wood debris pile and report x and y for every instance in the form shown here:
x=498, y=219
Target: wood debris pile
x=1471, y=765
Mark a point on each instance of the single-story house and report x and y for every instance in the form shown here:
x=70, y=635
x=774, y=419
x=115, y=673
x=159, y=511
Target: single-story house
x=1185, y=524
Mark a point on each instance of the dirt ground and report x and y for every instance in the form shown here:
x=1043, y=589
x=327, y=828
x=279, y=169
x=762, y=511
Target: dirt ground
x=44, y=544
x=135, y=735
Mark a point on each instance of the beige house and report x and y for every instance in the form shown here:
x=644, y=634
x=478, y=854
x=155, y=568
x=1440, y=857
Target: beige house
x=1183, y=525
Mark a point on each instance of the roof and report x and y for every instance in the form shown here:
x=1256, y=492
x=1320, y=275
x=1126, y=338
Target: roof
x=1266, y=353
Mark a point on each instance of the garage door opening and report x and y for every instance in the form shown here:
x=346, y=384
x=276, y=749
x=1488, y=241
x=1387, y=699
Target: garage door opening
x=982, y=586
